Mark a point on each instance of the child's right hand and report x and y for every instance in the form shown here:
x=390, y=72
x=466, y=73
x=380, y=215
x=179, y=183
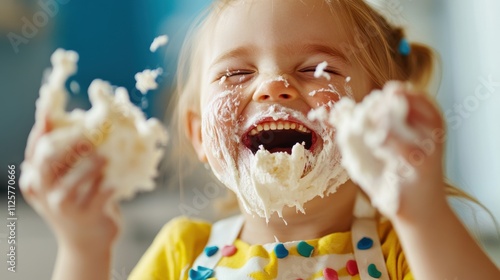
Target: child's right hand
x=71, y=199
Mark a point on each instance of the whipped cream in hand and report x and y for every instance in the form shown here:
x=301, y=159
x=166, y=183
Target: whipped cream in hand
x=113, y=128
x=361, y=133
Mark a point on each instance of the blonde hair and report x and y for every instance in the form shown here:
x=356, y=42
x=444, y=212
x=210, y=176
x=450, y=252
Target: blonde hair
x=373, y=47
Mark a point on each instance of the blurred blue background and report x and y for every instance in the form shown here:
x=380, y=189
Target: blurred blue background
x=113, y=39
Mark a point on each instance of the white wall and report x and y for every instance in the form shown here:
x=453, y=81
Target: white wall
x=466, y=34
x=473, y=60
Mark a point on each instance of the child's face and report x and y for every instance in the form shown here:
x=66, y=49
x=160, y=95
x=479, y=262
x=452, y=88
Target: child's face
x=259, y=71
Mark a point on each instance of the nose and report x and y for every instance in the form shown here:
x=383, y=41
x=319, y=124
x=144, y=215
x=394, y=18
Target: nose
x=277, y=90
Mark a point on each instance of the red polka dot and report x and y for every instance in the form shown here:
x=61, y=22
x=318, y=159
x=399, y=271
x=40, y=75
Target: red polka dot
x=352, y=267
x=330, y=274
x=228, y=250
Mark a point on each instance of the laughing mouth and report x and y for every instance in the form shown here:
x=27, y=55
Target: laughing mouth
x=278, y=136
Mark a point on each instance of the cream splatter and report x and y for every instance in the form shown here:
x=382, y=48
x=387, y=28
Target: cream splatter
x=158, y=42
x=222, y=79
x=331, y=88
x=146, y=80
x=320, y=71
x=280, y=78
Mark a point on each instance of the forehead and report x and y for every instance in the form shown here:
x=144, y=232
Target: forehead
x=275, y=25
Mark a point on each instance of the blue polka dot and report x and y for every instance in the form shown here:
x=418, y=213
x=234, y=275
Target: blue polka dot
x=365, y=243
x=281, y=251
x=211, y=250
x=203, y=273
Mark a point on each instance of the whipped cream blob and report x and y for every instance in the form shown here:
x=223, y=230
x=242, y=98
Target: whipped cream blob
x=362, y=130
x=113, y=128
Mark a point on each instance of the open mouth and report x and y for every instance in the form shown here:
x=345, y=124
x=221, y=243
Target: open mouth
x=278, y=136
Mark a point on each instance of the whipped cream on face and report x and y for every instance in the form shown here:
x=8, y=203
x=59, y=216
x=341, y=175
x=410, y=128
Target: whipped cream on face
x=280, y=78
x=266, y=182
x=331, y=89
x=114, y=128
x=320, y=71
x=362, y=130
x=277, y=178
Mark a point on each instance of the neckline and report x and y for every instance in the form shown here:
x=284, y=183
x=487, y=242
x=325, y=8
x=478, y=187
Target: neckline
x=334, y=235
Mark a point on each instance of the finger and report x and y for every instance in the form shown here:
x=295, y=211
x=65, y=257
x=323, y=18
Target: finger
x=29, y=194
x=83, y=181
x=58, y=166
x=92, y=192
x=425, y=120
x=30, y=190
x=115, y=212
x=38, y=130
x=422, y=110
x=410, y=152
x=103, y=197
x=69, y=182
x=32, y=195
x=416, y=153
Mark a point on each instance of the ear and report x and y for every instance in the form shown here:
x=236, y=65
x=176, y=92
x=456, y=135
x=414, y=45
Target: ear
x=193, y=130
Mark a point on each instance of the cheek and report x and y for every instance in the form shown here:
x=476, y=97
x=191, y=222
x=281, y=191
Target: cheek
x=361, y=86
x=220, y=124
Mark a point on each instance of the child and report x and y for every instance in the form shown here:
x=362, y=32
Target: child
x=252, y=69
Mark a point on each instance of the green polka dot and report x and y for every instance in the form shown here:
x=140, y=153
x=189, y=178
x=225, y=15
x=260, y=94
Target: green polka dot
x=373, y=271
x=305, y=249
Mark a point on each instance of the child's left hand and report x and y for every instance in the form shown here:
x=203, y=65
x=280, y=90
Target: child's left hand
x=392, y=146
x=426, y=188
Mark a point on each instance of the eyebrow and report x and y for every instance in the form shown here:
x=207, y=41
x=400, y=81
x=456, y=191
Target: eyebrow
x=289, y=49
x=323, y=49
x=234, y=53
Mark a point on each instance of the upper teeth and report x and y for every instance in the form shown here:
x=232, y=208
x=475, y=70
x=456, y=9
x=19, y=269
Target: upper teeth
x=280, y=125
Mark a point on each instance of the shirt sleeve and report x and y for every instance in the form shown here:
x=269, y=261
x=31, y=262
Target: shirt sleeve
x=173, y=250
x=397, y=266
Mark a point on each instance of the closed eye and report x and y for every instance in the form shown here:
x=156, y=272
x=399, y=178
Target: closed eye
x=235, y=76
x=230, y=73
x=313, y=69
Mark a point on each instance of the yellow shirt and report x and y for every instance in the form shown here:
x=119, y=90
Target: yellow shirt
x=181, y=240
